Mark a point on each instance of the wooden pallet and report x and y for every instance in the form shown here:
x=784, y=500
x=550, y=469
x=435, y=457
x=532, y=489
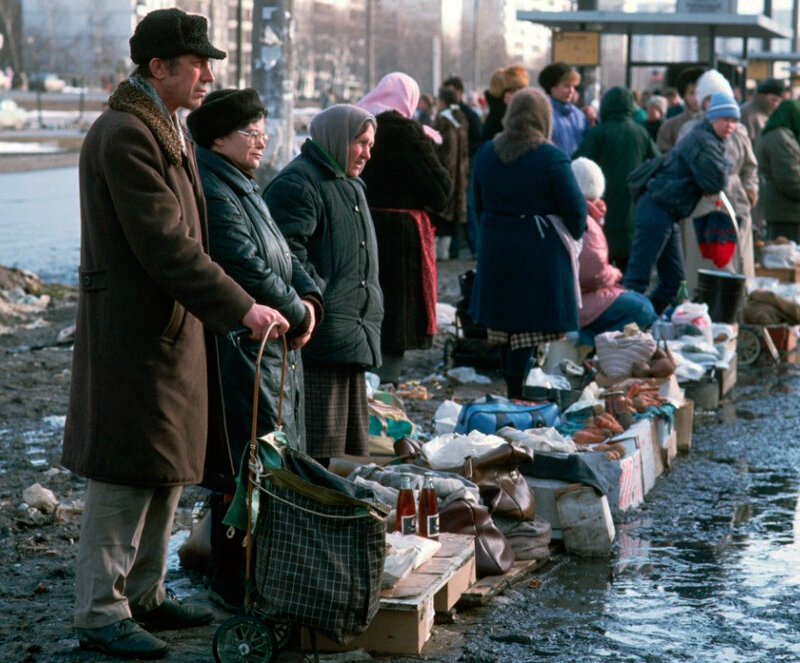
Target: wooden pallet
x=405, y=618
x=487, y=588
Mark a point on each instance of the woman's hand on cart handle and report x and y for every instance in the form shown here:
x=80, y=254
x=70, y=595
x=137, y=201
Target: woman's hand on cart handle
x=259, y=319
x=299, y=341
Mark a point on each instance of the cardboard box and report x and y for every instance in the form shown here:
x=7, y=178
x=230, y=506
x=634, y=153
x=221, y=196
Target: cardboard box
x=684, y=421
x=667, y=441
x=785, y=339
x=727, y=378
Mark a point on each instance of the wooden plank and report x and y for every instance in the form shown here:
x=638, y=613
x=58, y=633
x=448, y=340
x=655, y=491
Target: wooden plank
x=421, y=584
x=487, y=588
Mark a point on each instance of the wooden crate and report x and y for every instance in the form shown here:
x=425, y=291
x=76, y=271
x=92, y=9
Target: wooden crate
x=481, y=592
x=405, y=617
x=783, y=274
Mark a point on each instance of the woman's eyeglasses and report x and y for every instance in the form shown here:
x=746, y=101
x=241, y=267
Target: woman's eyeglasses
x=254, y=137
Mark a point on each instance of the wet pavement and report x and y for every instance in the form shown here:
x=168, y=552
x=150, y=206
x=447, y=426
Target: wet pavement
x=707, y=569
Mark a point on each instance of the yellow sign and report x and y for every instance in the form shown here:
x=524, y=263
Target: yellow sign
x=577, y=48
x=758, y=70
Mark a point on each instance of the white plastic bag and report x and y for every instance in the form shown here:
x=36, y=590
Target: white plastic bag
x=778, y=256
x=450, y=450
x=446, y=417
x=695, y=315
x=538, y=378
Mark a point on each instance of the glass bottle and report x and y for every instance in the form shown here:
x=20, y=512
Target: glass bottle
x=406, y=518
x=428, y=510
x=683, y=294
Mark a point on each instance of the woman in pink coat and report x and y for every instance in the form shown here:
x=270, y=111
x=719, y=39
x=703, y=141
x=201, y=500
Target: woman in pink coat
x=606, y=305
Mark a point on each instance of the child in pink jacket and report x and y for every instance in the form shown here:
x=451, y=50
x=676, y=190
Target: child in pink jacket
x=607, y=306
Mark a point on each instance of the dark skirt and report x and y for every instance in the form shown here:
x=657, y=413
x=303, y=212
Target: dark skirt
x=399, y=259
x=337, y=419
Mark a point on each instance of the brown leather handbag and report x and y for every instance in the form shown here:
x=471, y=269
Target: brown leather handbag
x=503, y=488
x=493, y=554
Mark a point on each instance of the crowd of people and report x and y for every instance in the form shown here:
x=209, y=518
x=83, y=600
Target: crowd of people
x=186, y=265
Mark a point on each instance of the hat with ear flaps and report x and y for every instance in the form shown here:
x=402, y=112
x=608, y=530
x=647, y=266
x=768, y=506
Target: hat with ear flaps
x=168, y=33
x=223, y=112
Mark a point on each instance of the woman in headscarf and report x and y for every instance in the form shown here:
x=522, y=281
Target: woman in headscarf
x=319, y=204
x=530, y=209
x=778, y=152
x=404, y=179
x=228, y=129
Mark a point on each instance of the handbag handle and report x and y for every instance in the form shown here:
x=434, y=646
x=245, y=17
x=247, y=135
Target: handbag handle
x=254, y=445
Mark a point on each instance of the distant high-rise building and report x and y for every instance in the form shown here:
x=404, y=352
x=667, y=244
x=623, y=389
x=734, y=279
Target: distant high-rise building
x=88, y=39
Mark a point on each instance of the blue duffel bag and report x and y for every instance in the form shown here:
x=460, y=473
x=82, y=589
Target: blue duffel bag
x=490, y=413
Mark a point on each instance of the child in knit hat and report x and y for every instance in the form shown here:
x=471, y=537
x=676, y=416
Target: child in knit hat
x=606, y=305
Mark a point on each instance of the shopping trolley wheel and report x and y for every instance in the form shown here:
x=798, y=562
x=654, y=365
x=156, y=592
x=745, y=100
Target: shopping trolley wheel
x=244, y=638
x=748, y=346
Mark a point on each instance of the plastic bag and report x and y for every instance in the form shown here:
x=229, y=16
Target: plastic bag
x=695, y=315
x=538, y=378
x=617, y=352
x=445, y=417
x=464, y=374
x=778, y=256
x=450, y=450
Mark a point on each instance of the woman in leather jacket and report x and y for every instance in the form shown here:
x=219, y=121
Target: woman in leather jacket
x=244, y=239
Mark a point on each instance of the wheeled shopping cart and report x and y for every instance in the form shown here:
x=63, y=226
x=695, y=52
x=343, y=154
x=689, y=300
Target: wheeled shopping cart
x=315, y=547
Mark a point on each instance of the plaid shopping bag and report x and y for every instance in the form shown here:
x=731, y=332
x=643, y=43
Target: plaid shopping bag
x=320, y=552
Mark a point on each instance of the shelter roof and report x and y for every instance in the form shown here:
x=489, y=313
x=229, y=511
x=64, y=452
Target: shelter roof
x=755, y=26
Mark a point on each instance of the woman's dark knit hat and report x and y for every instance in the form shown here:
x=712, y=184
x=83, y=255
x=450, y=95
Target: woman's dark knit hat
x=168, y=33
x=222, y=112
x=553, y=74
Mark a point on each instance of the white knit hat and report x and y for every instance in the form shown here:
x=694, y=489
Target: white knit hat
x=590, y=178
x=709, y=83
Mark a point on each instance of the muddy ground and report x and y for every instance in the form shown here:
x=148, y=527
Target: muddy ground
x=37, y=551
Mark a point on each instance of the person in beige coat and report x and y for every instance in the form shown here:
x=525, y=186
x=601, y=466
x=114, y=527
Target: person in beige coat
x=742, y=188
x=145, y=415
x=778, y=150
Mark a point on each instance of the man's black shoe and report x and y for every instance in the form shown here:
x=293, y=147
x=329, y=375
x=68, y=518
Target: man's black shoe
x=125, y=639
x=172, y=614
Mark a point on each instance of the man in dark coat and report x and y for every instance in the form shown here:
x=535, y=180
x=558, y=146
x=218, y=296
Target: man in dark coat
x=457, y=85
x=618, y=145
x=145, y=415
x=452, y=124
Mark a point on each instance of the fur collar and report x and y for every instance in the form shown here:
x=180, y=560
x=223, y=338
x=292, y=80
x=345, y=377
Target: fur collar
x=129, y=99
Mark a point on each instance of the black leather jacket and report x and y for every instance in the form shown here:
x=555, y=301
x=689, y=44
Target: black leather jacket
x=245, y=240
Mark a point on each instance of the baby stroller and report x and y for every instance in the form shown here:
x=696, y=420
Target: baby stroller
x=315, y=547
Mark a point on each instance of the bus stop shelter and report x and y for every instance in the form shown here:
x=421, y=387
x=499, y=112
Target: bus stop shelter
x=699, y=25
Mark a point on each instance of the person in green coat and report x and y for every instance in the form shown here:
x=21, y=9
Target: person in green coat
x=618, y=145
